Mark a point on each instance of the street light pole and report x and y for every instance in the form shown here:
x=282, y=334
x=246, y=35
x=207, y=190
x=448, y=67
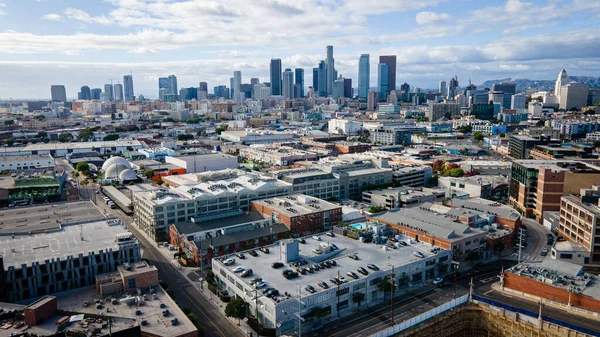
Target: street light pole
x=393, y=288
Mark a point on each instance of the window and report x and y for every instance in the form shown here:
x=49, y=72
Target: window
x=343, y=304
x=342, y=291
x=461, y=185
x=131, y=283
x=566, y=256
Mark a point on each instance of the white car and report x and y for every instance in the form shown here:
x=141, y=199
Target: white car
x=438, y=280
x=419, y=255
x=229, y=262
x=238, y=269
x=261, y=285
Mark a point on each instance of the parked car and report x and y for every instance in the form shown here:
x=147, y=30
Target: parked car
x=264, y=250
x=317, y=251
x=316, y=237
x=403, y=243
x=229, y=262
x=272, y=293
x=373, y=267
x=238, y=269
x=438, y=280
x=352, y=274
x=253, y=253
x=330, y=234
x=261, y=285
x=333, y=263
x=335, y=281
x=544, y=252
x=301, y=240
x=256, y=281
x=276, y=265
x=240, y=255
x=310, y=289
x=363, y=271
x=419, y=255
x=323, y=284
x=247, y=272
x=343, y=279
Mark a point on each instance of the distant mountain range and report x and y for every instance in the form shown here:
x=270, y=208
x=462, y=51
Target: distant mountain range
x=543, y=85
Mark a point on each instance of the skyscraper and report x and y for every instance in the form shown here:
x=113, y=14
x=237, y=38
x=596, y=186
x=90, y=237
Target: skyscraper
x=163, y=83
x=96, y=92
x=348, y=87
x=509, y=89
x=442, y=89
x=300, y=81
x=86, y=94
x=338, y=88
x=254, y=81
x=276, y=77
x=173, y=85
x=330, y=70
x=383, y=76
x=118, y=88
x=128, y=87
x=562, y=79
x=405, y=87
x=237, y=81
x=390, y=60
x=316, y=80
x=322, y=79
x=203, y=86
x=364, y=74
x=288, y=83
x=58, y=93
x=109, y=91
x=453, y=87
x=573, y=96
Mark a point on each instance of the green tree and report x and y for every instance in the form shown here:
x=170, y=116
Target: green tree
x=185, y=137
x=65, y=137
x=358, y=298
x=82, y=167
x=465, y=129
x=159, y=182
x=42, y=134
x=193, y=121
x=9, y=122
x=149, y=174
x=111, y=137
x=120, y=129
x=478, y=135
x=221, y=128
x=237, y=308
x=9, y=141
x=376, y=209
x=85, y=135
x=385, y=285
x=456, y=172
x=210, y=277
x=40, y=117
x=318, y=313
x=423, y=119
x=540, y=123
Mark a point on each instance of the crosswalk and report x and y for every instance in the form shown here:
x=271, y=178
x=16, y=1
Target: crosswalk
x=526, y=257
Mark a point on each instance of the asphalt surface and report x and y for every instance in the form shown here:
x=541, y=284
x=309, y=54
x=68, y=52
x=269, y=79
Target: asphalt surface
x=186, y=295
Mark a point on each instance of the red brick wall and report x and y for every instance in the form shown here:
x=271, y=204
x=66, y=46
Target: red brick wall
x=548, y=291
x=33, y=316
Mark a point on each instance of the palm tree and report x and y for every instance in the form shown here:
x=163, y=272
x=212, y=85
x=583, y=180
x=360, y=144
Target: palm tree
x=358, y=298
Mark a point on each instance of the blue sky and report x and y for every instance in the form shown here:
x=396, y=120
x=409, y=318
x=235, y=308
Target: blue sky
x=87, y=42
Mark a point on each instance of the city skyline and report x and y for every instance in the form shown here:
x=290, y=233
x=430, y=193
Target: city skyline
x=75, y=44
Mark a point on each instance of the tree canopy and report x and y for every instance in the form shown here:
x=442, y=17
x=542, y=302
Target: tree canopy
x=65, y=137
x=237, y=308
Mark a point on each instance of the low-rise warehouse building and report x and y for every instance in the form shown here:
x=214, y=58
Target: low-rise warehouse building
x=360, y=267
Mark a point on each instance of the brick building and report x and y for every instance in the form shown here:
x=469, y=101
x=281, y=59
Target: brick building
x=40, y=310
x=579, y=222
x=300, y=213
x=347, y=147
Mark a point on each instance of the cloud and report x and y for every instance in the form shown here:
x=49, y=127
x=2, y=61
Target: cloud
x=2, y=5
x=52, y=17
x=424, y=18
x=78, y=14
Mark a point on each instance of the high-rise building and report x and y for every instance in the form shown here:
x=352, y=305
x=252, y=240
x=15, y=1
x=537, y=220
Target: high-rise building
x=128, y=88
x=203, y=86
x=405, y=88
x=163, y=83
x=231, y=87
x=509, y=89
x=348, y=88
x=276, y=77
x=322, y=79
x=86, y=93
x=237, y=81
x=316, y=80
x=383, y=71
x=288, y=84
x=219, y=90
x=518, y=101
x=338, y=88
x=442, y=89
x=173, y=85
x=188, y=94
x=453, y=87
x=330, y=70
x=371, y=100
x=254, y=81
x=390, y=60
x=562, y=79
x=95, y=93
x=118, y=88
x=109, y=91
x=300, y=81
x=58, y=93
x=364, y=75
x=573, y=96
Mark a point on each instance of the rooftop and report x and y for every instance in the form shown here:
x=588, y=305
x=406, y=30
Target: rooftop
x=37, y=219
x=189, y=227
x=81, y=145
x=487, y=206
x=61, y=242
x=297, y=204
x=368, y=253
x=25, y=157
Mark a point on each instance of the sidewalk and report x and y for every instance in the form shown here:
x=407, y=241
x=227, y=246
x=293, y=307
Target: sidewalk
x=184, y=272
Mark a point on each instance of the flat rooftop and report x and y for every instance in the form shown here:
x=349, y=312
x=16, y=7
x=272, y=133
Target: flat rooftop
x=368, y=253
x=81, y=145
x=48, y=217
x=297, y=204
x=60, y=243
x=190, y=227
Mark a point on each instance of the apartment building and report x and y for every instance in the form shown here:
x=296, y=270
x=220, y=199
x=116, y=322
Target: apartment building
x=537, y=186
x=278, y=156
x=578, y=223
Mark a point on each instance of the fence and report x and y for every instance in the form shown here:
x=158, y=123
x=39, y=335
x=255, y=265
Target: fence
x=535, y=315
x=421, y=318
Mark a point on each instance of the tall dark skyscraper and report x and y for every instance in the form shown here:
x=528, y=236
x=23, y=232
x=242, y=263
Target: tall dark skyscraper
x=316, y=80
x=322, y=79
x=59, y=93
x=203, y=86
x=288, y=84
x=109, y=91
x=300, y=81
x=405, y=87
x=383, y=76
x=390, y=60
x=276, y=74
x=95, y=93
x=86, y=93
x=118, y=90
x=163, y=85
x=348, y=87
x=509, y=90
x=173, y=85
x=128, y=88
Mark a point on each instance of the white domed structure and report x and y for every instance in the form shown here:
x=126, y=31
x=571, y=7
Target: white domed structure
x=115, y=160
x=127, y=175
x=113, y=172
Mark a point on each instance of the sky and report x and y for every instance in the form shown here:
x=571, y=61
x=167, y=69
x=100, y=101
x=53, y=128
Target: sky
x=90, y=42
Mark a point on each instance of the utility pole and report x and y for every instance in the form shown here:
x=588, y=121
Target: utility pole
x=520, y=243
x=393, y=292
